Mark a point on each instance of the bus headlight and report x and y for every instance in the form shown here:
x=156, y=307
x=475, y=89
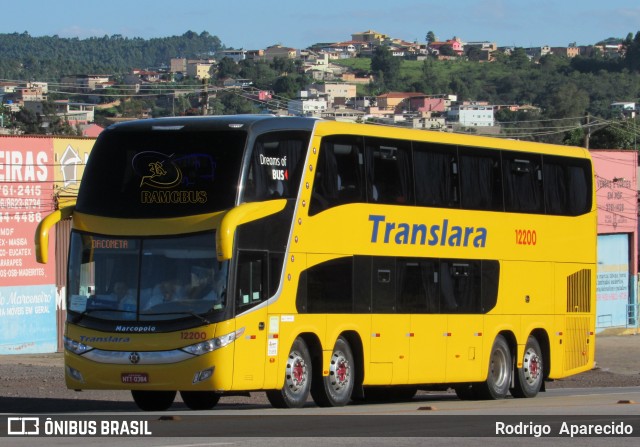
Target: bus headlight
x=213, y=344
x=75, y=346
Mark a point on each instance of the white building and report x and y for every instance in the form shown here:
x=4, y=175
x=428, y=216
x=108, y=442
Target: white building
x=307, y=107
x=624, y=108
x=472, y=115
x=335, y=91
x=235, y=55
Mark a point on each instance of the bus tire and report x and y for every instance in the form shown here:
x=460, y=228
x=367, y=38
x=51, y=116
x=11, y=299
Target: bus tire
x=334, y=390
x=397, y=393
x=529, y=378
x=200, y=400
x=153, y=400
x=467, y=391
x=297, y=380
x=500, y=371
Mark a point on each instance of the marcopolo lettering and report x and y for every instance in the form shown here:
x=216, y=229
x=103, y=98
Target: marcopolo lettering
x=120, y=328
x=443, y=234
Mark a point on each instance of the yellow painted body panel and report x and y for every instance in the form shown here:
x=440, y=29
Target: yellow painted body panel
x=174, y=376
x=396, y=349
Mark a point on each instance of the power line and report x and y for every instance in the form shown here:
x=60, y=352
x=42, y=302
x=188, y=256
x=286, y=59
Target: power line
x=521, y=129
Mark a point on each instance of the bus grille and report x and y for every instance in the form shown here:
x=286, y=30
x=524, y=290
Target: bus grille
x=576, y=345
x=579, y=291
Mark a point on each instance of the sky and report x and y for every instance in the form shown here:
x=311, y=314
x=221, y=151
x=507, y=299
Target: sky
x=257, y=24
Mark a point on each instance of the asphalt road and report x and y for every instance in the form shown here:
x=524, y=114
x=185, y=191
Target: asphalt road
x=35, y=382
x=33, y=386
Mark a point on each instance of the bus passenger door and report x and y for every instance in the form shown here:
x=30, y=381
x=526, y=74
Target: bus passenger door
x=464, y=349
x=418, y=296
x=251, y=320
x=428, y=348
x=389, y=330
x=461, y=298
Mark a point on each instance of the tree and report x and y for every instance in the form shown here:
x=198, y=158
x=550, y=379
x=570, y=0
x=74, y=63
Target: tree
x=632, y=52
x=431, y=37
x=384, y=62
x=519, y=58
x=617, y=135
x=286, y=86
x=235, y=104
x=227, y=68
x=28, y=122
x=564, y=107
x=447, y=50
x=283, y=65
x=474, y=54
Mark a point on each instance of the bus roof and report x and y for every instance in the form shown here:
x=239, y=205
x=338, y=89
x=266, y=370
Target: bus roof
x=221, y=122
x=383, y=131
x=260, y=123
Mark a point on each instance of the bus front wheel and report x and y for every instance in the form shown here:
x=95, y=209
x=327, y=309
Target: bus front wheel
x=528, y=380
x=334, y=390
x=200, y=400
x=297, y=380
x=153, y=400
x=499, y=375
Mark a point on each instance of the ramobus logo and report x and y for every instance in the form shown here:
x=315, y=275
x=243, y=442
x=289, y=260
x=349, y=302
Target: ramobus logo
x=120, y=328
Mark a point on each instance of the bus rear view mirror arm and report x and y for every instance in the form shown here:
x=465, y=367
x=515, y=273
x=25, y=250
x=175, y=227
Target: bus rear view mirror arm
x=244, y=213
x=42, y=232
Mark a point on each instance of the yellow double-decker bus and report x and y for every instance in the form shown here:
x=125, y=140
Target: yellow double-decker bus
x=310, y=258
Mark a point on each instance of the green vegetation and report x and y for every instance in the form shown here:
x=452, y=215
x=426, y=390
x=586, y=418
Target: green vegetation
x=49, y=58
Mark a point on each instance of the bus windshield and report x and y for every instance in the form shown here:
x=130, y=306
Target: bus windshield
x=145, y=174
x=145, y=279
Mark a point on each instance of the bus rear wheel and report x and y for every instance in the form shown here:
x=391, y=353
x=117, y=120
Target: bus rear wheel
x=398, y=393
x=528, y=380
x=153, y=400
x=334, y=390
x=297, y=380
x=499, y=375
x=200, y=400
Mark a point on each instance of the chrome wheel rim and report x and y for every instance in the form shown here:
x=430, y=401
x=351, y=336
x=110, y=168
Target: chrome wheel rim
x=339, y=372
x=531, y=366
x=297, y=374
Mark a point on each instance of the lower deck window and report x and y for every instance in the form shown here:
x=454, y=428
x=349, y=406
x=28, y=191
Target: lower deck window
x=366, y=284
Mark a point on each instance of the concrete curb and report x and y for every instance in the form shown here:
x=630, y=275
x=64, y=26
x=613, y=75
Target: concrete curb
x=614, y=331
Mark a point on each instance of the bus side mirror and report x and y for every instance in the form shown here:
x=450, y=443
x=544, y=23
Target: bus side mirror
x=42, y=231
x=247, y=212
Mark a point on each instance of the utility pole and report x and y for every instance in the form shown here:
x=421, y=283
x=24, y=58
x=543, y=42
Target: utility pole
x=205, y=96
x=588, y=135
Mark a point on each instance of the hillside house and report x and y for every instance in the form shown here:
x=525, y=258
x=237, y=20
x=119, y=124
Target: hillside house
x=474, y=114
x=281, y=52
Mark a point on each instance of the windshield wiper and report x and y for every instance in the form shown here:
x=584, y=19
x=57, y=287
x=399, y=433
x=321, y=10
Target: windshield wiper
x=180, y=312
x=86, y=312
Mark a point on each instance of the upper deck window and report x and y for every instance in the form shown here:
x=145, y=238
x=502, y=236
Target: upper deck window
x=275, y=166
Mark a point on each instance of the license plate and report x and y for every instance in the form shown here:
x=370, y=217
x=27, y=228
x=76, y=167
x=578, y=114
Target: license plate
x=135, y=378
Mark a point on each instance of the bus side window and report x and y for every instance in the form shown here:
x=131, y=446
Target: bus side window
x=480, y=179
x=388, y=171
x=460, y=286
x=276, y=166
x=383, y=292
x=330, y=287
x=338, y=177
x=250, y=279
x=522, y=175
x=490, y=281
x=566, y=186
x=417, y=282
x=435, y=174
